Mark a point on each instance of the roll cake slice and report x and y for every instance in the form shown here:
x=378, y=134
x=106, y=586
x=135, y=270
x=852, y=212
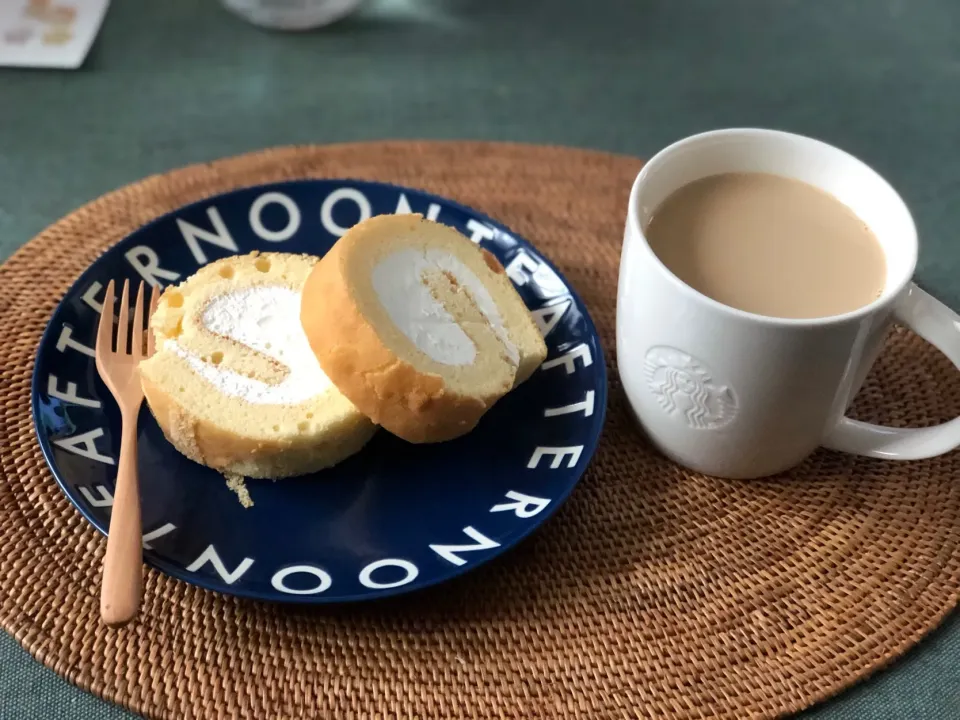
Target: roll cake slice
x=421, y=329
x=234, y=384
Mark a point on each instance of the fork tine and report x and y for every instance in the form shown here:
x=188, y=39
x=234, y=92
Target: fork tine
x=124, y=320
x=136, y=337
x=105, y=329
x=154, y=301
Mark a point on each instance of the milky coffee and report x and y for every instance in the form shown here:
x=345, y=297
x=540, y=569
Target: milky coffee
x=769, y=245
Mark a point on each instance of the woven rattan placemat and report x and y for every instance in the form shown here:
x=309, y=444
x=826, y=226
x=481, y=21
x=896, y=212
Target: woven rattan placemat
x=654, y=592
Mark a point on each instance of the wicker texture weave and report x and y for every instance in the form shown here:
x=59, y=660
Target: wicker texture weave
x=654, y=592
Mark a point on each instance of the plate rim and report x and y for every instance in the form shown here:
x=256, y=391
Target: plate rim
x=178, y=573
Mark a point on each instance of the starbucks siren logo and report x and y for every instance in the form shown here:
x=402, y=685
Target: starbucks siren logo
x=685, y=387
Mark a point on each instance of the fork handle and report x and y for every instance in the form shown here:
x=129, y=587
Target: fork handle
x=122, y=582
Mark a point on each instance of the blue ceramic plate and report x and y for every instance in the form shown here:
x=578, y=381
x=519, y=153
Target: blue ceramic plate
x=396, y=517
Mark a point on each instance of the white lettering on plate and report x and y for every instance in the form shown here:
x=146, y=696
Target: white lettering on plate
x=403, y=208
x=548, y=316
x=573, y=451
x=210, y=556
x=449, y=552
x=158, y=533
x=523, y=506
x=568, y=359
x=84, y=445
x=479, y=231
x=293, y=217
x=90, y=297
x=220, y=237
x=105, y=499
x=586, y=405
x=279, y=578
x=326, y=210
x=70, y=394
x=408, y=567
x=146, y=262
x=66, y=341
x=521, y=268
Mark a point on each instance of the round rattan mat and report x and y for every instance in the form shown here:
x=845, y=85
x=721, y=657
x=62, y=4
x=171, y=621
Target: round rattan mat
x=654, y=592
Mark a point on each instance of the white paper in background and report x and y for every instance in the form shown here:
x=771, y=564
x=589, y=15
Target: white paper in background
x=48, y=33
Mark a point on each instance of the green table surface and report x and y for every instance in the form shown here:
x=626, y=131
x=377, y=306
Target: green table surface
x=179, y=81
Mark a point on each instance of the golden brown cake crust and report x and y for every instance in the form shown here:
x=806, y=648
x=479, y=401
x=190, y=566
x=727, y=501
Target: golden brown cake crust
x=416, y=405
x=224, y=440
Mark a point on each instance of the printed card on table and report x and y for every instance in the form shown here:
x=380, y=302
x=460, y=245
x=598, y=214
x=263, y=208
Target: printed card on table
x=48, y=33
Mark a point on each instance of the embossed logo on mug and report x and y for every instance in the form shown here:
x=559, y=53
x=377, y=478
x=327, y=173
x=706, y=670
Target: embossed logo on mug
x=685, y=387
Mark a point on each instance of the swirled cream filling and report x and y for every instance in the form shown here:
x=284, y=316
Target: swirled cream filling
x=400, y=281
x=266, y=319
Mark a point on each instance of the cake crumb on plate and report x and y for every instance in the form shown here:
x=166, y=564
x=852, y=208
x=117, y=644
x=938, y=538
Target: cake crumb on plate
x=238, y=484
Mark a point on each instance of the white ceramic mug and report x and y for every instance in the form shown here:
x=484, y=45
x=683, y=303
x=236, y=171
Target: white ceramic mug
x=738, y=395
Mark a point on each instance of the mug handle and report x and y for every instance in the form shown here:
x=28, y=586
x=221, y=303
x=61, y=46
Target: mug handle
x=940, y=326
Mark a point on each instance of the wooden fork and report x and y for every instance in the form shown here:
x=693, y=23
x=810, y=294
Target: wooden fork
x=122, y=581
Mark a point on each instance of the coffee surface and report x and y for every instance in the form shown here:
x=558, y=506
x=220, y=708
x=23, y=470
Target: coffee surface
x=768, y=245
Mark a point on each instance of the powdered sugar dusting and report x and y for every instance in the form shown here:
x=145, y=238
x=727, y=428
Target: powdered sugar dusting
x=265, y=318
